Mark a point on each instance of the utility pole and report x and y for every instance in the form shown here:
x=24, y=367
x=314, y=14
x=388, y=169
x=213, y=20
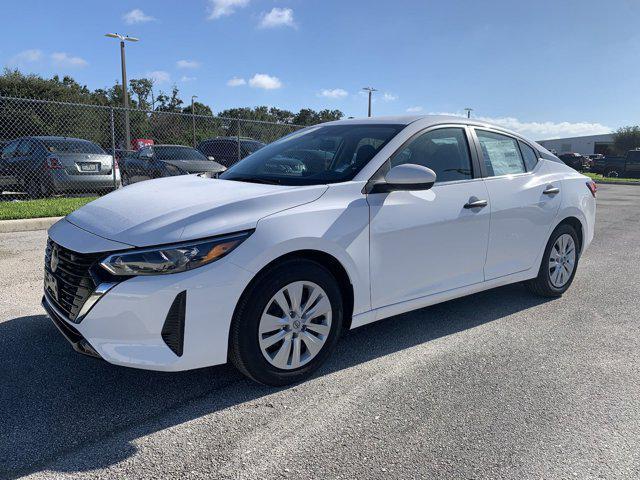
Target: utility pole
x=193, y=119
x=468, y=110
x=370, y=90
x=125, y=91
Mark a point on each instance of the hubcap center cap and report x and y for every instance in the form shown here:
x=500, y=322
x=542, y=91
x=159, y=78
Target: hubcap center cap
x=296, y=324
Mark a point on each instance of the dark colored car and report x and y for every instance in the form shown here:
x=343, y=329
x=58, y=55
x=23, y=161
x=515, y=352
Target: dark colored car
x=166, y=161
x=227, y=151
x=45, y=165
x=627, y=166
x=575, y=160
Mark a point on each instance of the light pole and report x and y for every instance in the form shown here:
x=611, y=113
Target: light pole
x=468, y=110
x=370, y=90
x=193, y=119
x=125, y=95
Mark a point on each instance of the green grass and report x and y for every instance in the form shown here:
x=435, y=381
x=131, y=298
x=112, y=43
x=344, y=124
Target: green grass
x=46, y=207
x=599, y=178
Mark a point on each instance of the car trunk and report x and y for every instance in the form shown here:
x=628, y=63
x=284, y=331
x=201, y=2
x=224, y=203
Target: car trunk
x=85, y=163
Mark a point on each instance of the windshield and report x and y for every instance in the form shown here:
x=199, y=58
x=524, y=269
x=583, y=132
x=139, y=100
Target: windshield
x=72, y=146
x=177, y=153
x=316, y=155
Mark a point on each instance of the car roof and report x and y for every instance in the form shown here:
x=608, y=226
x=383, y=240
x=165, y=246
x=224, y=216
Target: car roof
x=170, y=145
x=54, y=137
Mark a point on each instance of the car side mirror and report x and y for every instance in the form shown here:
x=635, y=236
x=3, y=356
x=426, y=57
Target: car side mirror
x=211, y=158
x=407, y=177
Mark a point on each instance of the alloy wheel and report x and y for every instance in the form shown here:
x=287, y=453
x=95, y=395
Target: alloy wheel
x=295, y=325
x=562, y=260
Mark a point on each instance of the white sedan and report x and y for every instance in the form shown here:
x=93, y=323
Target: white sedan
x=330, y=228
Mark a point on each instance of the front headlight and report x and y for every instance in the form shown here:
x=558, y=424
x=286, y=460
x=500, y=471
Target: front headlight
x=172, y=258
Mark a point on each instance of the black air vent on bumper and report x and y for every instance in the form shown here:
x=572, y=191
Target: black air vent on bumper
x=173, y=328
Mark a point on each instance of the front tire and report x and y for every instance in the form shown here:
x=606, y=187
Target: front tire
x=559, y=263
x=287, y=323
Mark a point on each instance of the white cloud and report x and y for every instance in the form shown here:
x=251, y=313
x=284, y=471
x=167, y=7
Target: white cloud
x=389, y=97
x=186, y=78
x=543, y=130
x=187, y=64
x=236, y=82
x=278, y=17
x=136, y=16
x=262, y=80
x=333, y=93
x=24, y=57
x=414, y=109
x=158, y=76
x=64, y=60
x=222, y=8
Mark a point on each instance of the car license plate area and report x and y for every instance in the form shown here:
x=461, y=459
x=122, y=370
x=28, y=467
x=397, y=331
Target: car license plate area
x=89, y=167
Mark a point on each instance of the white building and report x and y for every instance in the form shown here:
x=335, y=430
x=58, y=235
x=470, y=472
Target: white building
x=584, y=145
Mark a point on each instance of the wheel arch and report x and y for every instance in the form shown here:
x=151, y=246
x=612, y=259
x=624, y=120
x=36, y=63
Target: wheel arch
x=577, y=225
x=326, y=260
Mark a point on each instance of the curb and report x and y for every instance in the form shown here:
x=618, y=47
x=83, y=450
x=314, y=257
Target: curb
x=600, y=182
x=27, y=224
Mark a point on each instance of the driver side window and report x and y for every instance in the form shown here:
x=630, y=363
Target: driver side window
x=445, y=151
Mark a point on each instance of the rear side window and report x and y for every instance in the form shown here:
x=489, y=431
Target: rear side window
x=26, y=148
x=445, y=151
x=10, y=149
x=72, y=146
x=529, y=155
x=633, y=155
x=500, y=153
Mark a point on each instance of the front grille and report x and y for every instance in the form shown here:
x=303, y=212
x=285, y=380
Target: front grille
x=68, y=280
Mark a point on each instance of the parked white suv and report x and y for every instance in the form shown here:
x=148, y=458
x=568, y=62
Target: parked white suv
x=330, y=228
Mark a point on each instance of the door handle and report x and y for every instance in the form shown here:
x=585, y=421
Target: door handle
x=551, y=190
x=475, y=203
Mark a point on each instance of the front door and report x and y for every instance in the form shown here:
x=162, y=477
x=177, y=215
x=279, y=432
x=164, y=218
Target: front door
x=431, y=241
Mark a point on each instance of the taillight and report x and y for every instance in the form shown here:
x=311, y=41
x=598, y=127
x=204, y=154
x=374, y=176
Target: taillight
x=54, y=164
x=593, y=188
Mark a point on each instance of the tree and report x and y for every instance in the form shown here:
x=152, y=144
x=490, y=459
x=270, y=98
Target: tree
x=626, y=138
x=143, y=88
x=168, y=103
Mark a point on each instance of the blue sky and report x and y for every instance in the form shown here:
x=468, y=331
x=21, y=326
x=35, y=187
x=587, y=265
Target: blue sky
x=545, y=68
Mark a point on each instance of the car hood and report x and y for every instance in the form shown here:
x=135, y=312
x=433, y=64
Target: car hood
x=197, y=166
x=186, y=207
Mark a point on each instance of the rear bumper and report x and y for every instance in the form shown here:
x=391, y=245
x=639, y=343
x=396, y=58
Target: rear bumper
x=61, y=181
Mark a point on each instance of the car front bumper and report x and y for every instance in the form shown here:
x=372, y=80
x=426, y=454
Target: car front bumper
x=125, y=325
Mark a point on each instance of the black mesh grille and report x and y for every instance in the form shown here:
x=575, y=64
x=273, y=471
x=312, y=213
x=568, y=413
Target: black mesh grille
x=68, y=282
x=173, y=328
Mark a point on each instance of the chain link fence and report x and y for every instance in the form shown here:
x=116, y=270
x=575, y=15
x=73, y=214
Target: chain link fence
x=61, y=149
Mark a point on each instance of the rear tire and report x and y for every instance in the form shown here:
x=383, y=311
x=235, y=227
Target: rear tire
x=554, y=276
x=38, y=188
x=305, y=337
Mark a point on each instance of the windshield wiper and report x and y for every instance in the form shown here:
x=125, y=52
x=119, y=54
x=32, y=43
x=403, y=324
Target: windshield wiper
x=265, y=181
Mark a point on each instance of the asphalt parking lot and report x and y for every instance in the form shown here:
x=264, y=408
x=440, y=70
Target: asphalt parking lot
x=497, y=385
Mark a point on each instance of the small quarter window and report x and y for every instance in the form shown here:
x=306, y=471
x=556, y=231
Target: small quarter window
x=529, y=155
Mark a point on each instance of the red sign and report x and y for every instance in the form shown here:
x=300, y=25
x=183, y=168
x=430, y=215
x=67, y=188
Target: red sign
x=138, y=143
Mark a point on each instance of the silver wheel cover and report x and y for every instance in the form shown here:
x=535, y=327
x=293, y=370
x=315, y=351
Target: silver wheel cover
x=295, y=325
x=562, y=260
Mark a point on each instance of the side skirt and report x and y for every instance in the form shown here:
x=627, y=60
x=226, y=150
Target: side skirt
x=428, y=300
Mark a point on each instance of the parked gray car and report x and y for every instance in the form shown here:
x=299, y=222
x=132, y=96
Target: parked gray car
x=42, y=166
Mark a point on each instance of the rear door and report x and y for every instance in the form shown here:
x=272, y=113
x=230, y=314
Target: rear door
x=523, y=202
x=633, y=163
